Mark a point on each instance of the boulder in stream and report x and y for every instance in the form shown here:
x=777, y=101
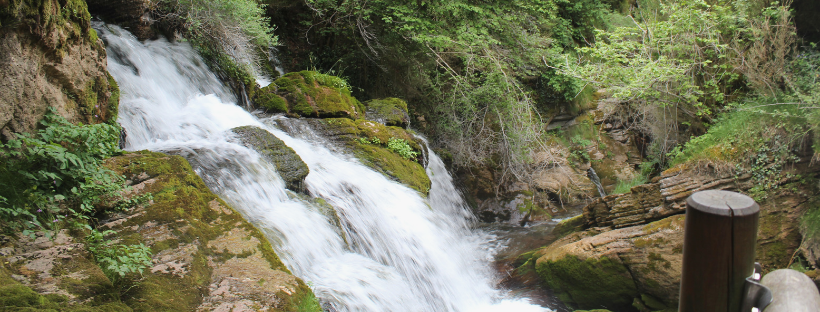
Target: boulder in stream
x=309, y=94
x=388, y=111
x=289, y=165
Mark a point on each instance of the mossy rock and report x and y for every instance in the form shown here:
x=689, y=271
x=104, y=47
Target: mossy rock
x=568, y=226
x=289, y=165
x=201, y=246
x=388, y=111
x=367, y=140
x=591, y=283
x=310, y=94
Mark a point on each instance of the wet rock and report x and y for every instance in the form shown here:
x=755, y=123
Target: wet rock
x=388, y=111
x=289, y=165
x=309, y=94
x=206, y=256
x=368, y=140
x=131, y=14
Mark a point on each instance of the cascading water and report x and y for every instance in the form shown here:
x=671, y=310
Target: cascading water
x=403, y=252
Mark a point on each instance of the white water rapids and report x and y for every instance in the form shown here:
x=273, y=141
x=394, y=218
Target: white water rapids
x=403, y=252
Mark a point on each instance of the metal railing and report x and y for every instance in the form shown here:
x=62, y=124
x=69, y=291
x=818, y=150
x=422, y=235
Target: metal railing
x=719, y=272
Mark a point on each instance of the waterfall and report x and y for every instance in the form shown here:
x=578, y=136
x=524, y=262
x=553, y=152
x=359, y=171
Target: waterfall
x=402, y=252
x=593, y=176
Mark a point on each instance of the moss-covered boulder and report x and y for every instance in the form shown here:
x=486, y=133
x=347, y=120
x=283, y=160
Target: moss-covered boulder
x=388, y=111
x=310, y=94
x=289, y=165
x=206, y=256
x=618, y=270
x=369, y=140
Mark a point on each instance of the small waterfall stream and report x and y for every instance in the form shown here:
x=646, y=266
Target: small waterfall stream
x=403, y=252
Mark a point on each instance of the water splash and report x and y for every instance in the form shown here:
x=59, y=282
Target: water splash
x=403, y=252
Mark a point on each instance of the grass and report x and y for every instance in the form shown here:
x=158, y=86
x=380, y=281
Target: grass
x=624, y=186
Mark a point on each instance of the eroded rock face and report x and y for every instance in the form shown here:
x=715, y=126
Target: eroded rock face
x=131, y=14
x=59, y=265
x=289, y=165
x=51, y=57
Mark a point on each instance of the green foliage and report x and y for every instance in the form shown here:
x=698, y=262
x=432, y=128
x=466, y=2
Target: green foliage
x=219, y=19
x=401, y=147
x=676, y=61
x=119, y=262
x=309, y=303
x=57, y=173
x=677, y=67
x=469, y=66
x=625, y=186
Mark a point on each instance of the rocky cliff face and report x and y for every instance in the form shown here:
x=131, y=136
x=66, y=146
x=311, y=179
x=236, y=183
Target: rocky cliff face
x=51, y=57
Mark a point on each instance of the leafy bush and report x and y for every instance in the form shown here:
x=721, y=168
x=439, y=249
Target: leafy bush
x=119, y=262
x=401, y=147
x=56, y=174
x=681, y=65
x=233, y=35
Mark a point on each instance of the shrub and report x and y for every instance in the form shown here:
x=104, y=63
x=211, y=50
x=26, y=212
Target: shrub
x=56, y=174
x=119, y=262
x=401, y=147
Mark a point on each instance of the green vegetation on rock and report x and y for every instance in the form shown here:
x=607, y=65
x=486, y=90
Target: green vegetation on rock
x=389, y=111
x=57, y=173
x=289, y=165
x=310, y=94
x=590, y=283
x=369, y=141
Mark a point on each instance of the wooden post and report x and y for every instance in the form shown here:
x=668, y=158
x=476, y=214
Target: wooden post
x=718, y=250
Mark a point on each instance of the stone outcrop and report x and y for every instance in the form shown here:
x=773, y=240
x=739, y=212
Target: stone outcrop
x=626, y=250
x=654, y=201
x=131, y=14
x=206, y=257
x=388, y=111
x=616, y=269
x=309, y=94
x=368, y=141
x=289, y=165
x=51, y=57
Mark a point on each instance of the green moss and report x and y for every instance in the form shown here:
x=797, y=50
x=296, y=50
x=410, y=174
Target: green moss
x=389, y=111
x=289, y=165
x=590, y=283
x=311, y=94
x=113, y=100
x=376, y=155
x=568, y=226
x=270, y=101
x=407, y=172
x=182, y=203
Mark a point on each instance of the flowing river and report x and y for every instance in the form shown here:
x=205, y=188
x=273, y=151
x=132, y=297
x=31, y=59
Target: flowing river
x=393, y=250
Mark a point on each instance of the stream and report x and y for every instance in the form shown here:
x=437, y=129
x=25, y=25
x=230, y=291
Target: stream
x=393, y=250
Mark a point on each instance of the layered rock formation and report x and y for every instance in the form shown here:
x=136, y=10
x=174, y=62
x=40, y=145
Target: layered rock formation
x=626, y=250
